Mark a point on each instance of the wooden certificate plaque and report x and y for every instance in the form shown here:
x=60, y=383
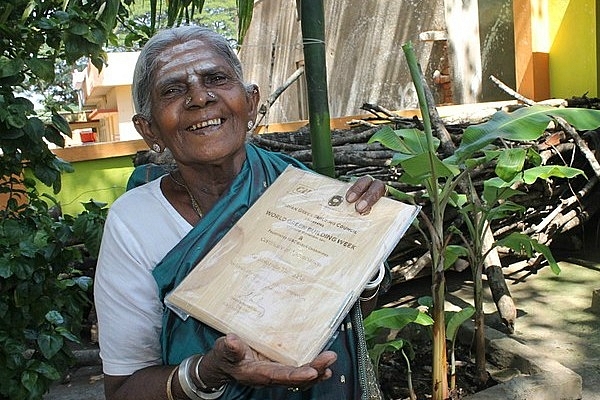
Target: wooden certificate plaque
x=289, y=270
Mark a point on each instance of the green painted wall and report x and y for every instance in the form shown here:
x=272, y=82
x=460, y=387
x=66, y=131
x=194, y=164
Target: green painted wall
x=101, y=180
x=573, y=48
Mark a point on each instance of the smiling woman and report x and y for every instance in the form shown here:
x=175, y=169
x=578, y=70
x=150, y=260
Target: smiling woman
x=191, y=98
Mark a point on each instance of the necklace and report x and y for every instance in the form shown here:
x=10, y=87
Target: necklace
x=195, y=204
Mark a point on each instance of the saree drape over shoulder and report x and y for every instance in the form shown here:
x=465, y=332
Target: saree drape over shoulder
x=182, y=338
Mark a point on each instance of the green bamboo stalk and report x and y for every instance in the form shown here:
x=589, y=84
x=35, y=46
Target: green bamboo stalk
x=312, y=17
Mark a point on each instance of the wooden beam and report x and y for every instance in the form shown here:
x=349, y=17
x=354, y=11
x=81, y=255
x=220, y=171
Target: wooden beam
x=100, y=150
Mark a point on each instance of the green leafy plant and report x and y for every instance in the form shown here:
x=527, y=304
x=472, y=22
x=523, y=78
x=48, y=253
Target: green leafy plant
x=454, y=320
x=89, y=225
x=35, y=37
x=381, y=331
x=447, y=182
x=43, y=294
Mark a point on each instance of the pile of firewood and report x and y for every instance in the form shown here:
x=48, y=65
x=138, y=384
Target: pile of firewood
x=553, y=207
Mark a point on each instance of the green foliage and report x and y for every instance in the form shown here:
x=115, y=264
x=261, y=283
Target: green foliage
x=393, y=318
x=89, y=225
x=392, y=346
x=35, y=36
x=230, y=18
x=523, y=245
x=481, y=145
x=524, y=124
x=514, y=166
x=453, y=323
x=245, y=8
x=390, y=319
x=43, y=294
x=455, y=320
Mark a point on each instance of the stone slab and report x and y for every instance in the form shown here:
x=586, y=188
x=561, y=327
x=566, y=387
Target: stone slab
x=540, y=376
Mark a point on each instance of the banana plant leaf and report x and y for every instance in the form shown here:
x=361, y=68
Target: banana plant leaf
x=419, y=168
x=408, y=141
x=456, y=320
x=530, y=175
x=452, y=253
x=380, y=348
x=524, y=124
x=393, y=318
x=510, y=162
x=523, y=244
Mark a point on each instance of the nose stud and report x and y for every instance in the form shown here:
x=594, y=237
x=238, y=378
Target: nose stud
x=210, y=95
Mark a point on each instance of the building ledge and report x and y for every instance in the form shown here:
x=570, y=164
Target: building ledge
x=95, y=151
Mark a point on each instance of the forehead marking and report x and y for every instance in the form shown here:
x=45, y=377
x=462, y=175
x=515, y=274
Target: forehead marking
x=191, y=58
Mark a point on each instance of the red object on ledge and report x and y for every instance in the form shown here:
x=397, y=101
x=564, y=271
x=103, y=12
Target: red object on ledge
x=88, y=137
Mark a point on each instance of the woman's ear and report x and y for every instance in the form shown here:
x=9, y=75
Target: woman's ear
x=142, y=126
x=253, y=100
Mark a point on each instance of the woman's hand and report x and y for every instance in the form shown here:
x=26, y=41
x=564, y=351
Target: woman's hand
x=365, y=192
x=232, y=359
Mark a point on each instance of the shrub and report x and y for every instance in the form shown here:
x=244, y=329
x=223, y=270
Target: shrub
x=43, y=293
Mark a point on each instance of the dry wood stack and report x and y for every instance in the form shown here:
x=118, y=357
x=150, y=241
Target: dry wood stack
x=552, y=208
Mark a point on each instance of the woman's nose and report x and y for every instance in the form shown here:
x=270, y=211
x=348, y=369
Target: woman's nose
x=200, y=97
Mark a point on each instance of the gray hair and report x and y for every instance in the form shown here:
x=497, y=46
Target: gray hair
x=146, y=64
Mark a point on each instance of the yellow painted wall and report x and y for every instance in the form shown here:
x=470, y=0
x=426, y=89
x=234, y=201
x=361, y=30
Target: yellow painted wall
x=573, y=48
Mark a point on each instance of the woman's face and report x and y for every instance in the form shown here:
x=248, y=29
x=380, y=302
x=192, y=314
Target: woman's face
x=200, y=108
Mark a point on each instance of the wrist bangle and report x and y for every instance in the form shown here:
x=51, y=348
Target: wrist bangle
x=203, y=386
x=185, y=381
x=188, y=386
x=374, y=283
x=371, y=297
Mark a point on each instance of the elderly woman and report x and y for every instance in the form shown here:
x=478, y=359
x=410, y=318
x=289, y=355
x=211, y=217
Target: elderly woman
x=190, y=98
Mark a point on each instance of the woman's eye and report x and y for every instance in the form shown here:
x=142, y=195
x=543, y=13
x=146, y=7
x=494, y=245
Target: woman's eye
x=215, y=80
x=172, y=91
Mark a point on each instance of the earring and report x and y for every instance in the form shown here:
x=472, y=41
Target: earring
x=211, y=95
x=156, y=147
x=188, y=100
x=250, y=125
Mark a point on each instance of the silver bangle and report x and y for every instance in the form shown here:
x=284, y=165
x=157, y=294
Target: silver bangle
x=371, y=297
x=188, y=386
x=185, y=381
x=377, y=281
x=213, y=395
x=205, y=390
